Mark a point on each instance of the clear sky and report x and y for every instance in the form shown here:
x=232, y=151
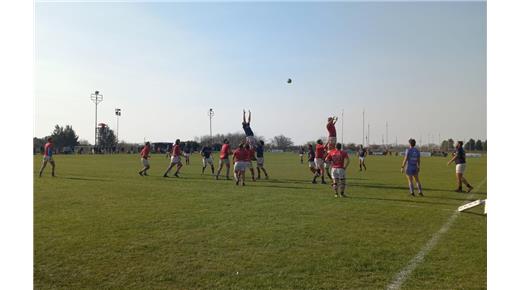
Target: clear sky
x=421, y=67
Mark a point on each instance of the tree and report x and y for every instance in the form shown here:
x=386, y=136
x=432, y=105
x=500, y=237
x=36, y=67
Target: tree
x=471, y=144
x=64, y=137
x=38, y=144
x=478, y=145
x=451, y=144
x=282, y=142
x=106, y=138
x=445, y=146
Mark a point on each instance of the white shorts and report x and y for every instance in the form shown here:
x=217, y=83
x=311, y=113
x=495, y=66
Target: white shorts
x=326, y=164
x=312, y=164
x=176, y=160
x=460, y=168
x=187, y=155
x=362, y=159
x=251, y=140
x=240, y=165
x=259, y=161
x=223, y=162
x=48, y=158
x=206, y=161
x=145, y=162
x=337, y=173
x=318, y=162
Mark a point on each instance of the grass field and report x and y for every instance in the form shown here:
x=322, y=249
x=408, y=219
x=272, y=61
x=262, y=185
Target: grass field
x=98, y=224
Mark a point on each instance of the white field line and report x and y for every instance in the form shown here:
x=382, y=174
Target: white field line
x=401, y=277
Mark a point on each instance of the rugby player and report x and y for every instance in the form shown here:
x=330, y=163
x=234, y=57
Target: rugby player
x=412, y=161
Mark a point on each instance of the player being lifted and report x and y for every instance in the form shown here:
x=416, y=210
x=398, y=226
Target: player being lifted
x=205, y=152
x=331, y=128
x=240, y=163
x=318, y=159
x=260, y=160
x=175, y=159
x=337, y=158
x=224, y=158
x=459, y=156
x=145, y=154
x=362, y=154
x=47, y=157
x=250, y=136
x=412, y=161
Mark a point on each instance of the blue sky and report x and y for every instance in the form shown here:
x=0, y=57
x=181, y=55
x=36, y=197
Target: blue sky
x=419, y=66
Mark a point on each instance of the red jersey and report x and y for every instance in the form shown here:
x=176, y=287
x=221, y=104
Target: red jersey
x=145, y=152
x=176, y=150
x=47, y=149
x=224, y=151
x=332, y=129
x=338, y=158
x=240, y=155
x=320, y=151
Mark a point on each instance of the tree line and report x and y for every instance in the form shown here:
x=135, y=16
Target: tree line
x=470, y=145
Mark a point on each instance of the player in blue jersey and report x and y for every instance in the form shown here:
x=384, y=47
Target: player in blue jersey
x=362, y=154
x=459, y=156
x=260, y=160
x=412, y=161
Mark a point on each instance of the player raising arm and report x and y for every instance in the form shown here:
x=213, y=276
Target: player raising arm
x=250, y=136
x=331, y=128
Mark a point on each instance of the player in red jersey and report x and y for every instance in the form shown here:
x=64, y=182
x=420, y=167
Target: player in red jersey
x=318, y=159
x=331, y=128
x=240, y=156
x=225, y=151
x=326, y=162
x=175, y=159
x=337, y=158
x=47, y=156
x=145, y=154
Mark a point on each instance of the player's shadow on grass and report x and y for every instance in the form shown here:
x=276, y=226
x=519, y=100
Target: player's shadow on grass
x=414, y=200
x=85, y=179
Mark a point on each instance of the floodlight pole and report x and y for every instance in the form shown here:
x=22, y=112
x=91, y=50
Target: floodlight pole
x=211, y=113
x=97, y=98
x=363, y=139
x=118, y=114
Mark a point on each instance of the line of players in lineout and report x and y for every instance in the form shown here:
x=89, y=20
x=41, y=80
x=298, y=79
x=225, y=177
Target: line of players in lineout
x=323, y=157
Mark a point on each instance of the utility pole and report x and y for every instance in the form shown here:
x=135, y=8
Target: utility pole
x=211, y=113
x=386, y=133
x=368, y=135
x=97, y=98
x=363, y=140
x=118, y=114
x=342, y=113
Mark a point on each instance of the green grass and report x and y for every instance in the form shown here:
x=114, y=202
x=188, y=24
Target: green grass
x=100, y=225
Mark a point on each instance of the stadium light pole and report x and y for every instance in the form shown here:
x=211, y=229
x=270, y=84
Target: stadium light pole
x=211, y=113
x=97, y=98
x=118, y=114
x=363, y=140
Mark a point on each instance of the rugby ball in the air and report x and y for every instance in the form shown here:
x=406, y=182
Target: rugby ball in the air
x=289, y=81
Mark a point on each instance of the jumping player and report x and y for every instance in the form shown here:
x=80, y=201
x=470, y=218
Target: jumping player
x=240, y=162
x=318, y=159
x=225, y=151
x=260, y=160
x=145, y=154
x=362, y=154
x=47, y=156
x=175, y=159
x=412, y=161
x=459, y=156
x=206, y=159
x=250, y=136
x=337, y=158
x=331, y=128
